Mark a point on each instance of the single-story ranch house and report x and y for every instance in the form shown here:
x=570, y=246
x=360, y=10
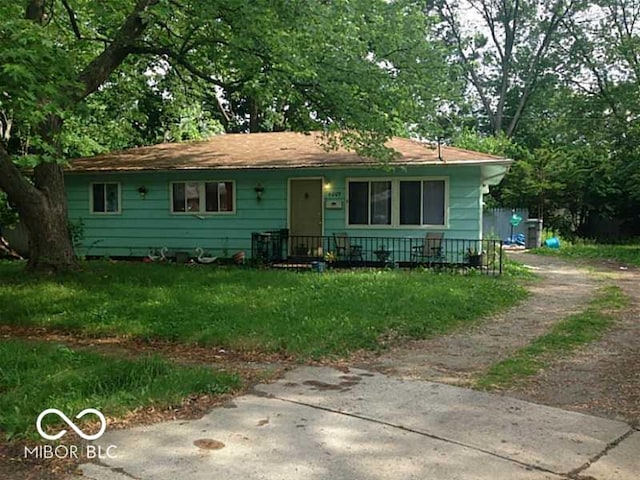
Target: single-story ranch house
x=227, y=193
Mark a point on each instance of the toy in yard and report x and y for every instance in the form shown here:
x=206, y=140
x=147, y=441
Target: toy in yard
x=553, y=242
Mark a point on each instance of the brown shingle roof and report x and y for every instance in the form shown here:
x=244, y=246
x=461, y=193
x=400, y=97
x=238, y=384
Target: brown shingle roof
x=265, y=151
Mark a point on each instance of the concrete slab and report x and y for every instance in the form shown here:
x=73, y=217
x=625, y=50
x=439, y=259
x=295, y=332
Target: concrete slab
x=544, y=437
x=622, y=462
x=266, y=438
x=319, y=423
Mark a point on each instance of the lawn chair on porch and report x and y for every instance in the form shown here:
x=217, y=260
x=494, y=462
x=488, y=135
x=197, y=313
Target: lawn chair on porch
x=430, y=252
x=345, y=250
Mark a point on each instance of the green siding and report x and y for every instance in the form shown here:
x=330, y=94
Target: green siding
x=148, y=223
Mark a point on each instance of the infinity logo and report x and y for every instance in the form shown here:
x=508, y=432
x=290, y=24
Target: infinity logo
x=46, y=412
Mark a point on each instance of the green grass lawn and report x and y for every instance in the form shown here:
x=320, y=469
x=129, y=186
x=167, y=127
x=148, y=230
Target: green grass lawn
x=627, y=254
x=35, y=376
x=573, y=331
x=307, y=315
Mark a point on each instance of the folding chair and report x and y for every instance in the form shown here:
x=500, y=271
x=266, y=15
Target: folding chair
x=344, y=249
x=430, y=251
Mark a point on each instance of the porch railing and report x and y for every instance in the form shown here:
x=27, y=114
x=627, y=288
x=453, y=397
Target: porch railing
x=280, y=248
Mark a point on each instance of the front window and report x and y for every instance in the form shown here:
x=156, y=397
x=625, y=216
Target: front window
x=105, y=198
x=218, y=196
x=380, y=203
x=370, y=203
x=186, y=197
x=410, y=199
x=359, y=203
x=433, y=202
x=202, y=197
x=422, y=202
x=397, y=202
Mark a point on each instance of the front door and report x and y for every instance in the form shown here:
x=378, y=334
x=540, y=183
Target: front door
x=305, y=218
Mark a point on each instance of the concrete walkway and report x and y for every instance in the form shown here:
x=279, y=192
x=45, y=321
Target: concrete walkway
x=321, y=423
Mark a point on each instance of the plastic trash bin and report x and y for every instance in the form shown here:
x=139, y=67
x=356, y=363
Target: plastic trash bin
x=534, y=233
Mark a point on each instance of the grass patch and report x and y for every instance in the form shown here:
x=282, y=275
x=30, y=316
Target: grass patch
x=303, y=314
x=37, y=375
x=518, y=271
x=567, y=335
x=626, y=254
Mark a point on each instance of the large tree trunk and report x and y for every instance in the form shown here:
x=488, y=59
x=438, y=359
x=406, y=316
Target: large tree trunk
x=42, y=204
x=50, y=244
x=42, y=208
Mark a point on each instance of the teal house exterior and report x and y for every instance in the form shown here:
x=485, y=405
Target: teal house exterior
x=218, y=194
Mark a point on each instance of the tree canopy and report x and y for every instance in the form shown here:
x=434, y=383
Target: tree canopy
x=553, y=85
x=556, y=83
x=78, y=76
x=240, y=66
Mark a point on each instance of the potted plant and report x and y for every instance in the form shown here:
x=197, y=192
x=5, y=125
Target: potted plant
x=330, y=258
x=475, y=257
x=238, y=258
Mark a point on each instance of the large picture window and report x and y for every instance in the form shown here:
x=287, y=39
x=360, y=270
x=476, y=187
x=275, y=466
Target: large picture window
x=398, y=202
x=105, y=198
x=202, y=197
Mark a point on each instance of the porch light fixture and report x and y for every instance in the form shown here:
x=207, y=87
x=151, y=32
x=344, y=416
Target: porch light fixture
x=259, y=189
x=142, y=190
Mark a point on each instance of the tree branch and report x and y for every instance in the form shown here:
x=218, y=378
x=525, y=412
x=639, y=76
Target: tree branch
x=97, y=72
x=15, y=185
x=510, y=16
x=181, y=61
x=448, y=15
x=488, y=18
x=533, y=72
x=72, y=19
x=587, y=58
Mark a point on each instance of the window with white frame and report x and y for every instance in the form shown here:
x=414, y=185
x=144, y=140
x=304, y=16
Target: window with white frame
x=105, y=198
x=398, y=202
x=370, y=202
x=202, y=197
x=422, y=202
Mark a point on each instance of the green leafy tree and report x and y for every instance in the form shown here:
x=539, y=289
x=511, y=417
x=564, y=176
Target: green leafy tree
x=578, y=120
x=359, y=65
x=508, y=50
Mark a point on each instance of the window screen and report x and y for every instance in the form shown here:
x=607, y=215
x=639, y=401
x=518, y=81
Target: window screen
x=105, y=197
x=410, y=203
x=381, y=203
x=98, y=197
x=179, y=194
x=359, y=203
x=219, y=196
x=433, y=202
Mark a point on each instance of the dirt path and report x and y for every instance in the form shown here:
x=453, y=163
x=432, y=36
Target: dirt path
x=457, y=357
x=601, y=378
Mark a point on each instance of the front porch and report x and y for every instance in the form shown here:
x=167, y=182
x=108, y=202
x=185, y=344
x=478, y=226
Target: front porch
x=279, y=249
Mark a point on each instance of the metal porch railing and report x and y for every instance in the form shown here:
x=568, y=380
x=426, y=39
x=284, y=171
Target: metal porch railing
x=278, y=248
